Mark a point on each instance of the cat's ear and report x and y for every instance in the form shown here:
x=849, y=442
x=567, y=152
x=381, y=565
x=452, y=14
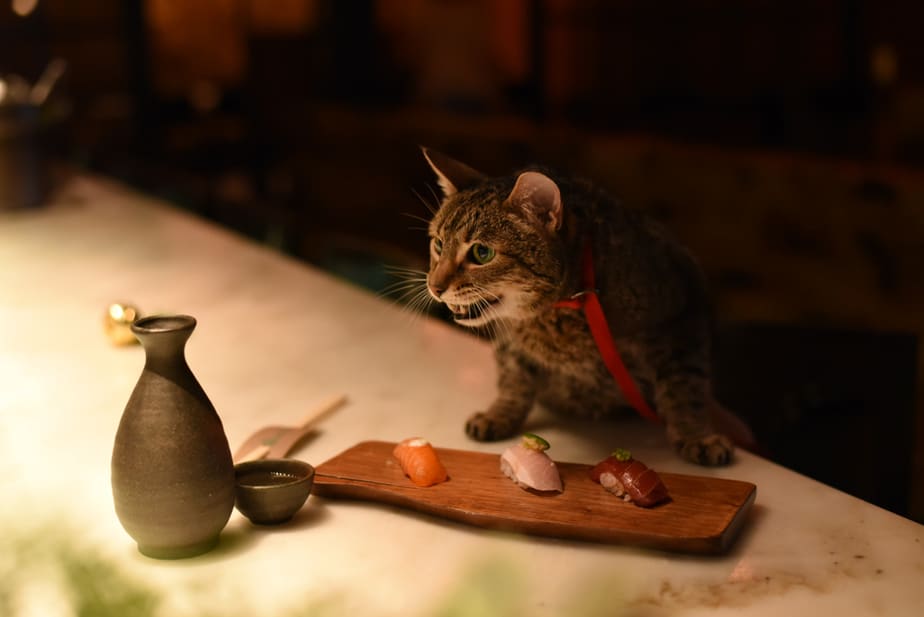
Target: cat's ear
x=538, y=195
x=452, y=175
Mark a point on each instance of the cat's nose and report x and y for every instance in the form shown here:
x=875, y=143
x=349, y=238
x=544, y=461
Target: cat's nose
x=439, y=279
x=436, y=290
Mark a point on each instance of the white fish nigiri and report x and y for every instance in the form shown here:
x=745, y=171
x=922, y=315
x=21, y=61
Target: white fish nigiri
x=527, y=464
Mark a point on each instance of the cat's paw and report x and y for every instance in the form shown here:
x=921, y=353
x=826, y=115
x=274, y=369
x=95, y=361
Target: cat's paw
x=486, y=426
x=714, y=449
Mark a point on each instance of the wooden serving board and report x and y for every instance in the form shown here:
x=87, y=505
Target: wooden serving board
x=704, y=515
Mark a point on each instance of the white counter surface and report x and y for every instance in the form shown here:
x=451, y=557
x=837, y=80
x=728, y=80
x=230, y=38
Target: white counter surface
x=276, y=336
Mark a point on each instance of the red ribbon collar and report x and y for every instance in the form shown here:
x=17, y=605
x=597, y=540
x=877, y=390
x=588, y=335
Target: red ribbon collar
x=588, y=301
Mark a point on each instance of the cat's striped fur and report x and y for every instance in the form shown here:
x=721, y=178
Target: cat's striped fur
x=504, y=250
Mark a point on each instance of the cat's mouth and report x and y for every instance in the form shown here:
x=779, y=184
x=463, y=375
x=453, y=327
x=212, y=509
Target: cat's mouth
x=472, y=314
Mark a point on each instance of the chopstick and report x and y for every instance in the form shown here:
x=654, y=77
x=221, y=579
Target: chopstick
x=311, y=418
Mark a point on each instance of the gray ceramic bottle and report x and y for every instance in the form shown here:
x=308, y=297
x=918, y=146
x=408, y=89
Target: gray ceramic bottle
x=172, y=472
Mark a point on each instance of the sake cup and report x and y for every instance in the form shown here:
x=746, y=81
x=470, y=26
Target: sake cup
x=272, y=491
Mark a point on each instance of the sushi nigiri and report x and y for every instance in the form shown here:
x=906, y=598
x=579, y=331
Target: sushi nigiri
x=419, y=462
x=630, y=479
x=527, y=464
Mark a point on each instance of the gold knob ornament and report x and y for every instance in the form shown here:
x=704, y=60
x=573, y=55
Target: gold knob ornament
x=118, y=323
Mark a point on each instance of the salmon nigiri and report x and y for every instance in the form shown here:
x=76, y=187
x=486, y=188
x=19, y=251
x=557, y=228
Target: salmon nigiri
x=419, y=462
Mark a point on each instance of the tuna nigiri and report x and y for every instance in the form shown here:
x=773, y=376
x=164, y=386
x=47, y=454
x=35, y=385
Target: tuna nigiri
x=630, y=479
x=527, y=464
x=419, y=462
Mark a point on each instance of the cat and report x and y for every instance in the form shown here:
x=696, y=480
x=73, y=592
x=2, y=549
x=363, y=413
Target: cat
x=505, y=250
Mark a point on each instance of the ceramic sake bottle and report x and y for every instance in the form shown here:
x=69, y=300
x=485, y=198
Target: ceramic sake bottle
x=172, y=472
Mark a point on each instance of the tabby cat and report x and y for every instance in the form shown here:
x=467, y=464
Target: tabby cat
x=504, y=251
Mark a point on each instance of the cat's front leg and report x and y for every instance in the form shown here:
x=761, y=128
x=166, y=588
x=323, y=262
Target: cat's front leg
x=681, y=400
x=676, y=359
x=516, y=385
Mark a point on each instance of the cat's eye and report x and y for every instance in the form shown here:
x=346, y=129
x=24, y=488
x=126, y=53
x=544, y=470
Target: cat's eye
x=481, y=253
x=437, y=246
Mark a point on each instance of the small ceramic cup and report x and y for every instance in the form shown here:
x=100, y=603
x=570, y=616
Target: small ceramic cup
x=271, y=491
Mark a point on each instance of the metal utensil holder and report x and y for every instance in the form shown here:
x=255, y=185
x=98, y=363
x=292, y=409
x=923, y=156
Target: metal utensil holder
x=23, y=173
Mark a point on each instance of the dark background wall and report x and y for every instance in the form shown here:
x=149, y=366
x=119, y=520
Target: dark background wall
x=783, y=141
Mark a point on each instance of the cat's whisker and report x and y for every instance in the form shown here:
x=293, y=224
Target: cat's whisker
x=431, y=207
x=405, y=273
x=417, y=305
x=406, y=297
x=406, y=280
x=403, y=270
x=495, y=327
x=437, y=199
x=400, y=286
x=418, y=218
x=409, y=292
x=413, y=296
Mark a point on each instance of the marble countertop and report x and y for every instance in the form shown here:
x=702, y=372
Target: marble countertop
x=276, y=336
